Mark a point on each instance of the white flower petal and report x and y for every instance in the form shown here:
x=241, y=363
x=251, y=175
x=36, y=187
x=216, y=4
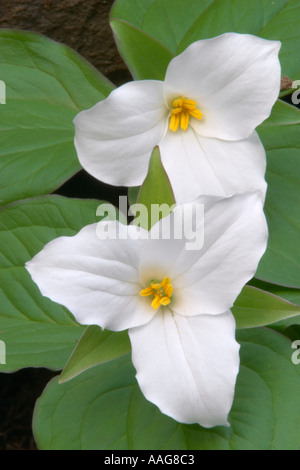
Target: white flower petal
x=235, y=238
x=188, y=366
x=234, y=78
x=158, y=258
x=114, y=139
x=208, y=278
x=199, y=165
x=97, y=280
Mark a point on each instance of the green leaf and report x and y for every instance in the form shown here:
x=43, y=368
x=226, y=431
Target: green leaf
x=175, y=24
x=156, y=198
x=136, y=47
x=165, y=20
x=134, y=14
x=104, y=409
x=284, y=325
x=96, y=416
x=290, y=294
x=47, y=84
x=290, y=91
x=95, y=347
x=37, y=332
x=280, y=136
x=133, y=193
x=254, y=307
x=267, y=358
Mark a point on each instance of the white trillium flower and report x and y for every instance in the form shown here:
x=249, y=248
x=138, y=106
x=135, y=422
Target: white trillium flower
x=175, y=302
x=202, y=116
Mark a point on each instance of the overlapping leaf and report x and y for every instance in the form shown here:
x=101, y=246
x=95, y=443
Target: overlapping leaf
x=95, y=347
x=111, y=412
x=47, y=84
x=156, y=192
x=280, y=136
x=255, y=307
x=37, y=332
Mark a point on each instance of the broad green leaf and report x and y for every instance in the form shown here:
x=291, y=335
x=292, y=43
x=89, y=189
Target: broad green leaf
x=280, y=136
x=104, y=409
x=175, y=24
x=95, y=347
x=282, y=25
x=255, y=307
x=95, y=418
x=135, y=47
x=133, y=13
x=290, y=294
x=37, y=332
x=47, y=84
x=156, y=195
x=165, y=20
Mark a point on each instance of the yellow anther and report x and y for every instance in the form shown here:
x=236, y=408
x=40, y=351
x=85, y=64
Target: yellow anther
x=182, y=109
x=155, y=302
x=174, y=122
x=169, y=290
x=178, y=103
x=147, y=291
x=165, y=281
x=184, y=120
x=176, y=111
x=162, y=292
x=165, y=301
x=189, y=104
x=195, y=113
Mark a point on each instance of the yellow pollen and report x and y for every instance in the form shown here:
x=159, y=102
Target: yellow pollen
x=162, y=292
x=182, y=109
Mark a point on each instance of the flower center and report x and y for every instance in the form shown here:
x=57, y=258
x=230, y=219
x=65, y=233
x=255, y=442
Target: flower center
x=182, y=109
x=162, y=292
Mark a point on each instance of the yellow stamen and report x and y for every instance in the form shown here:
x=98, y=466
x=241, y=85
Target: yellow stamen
x=178, y=103
x=196, y=113
x=165, y=281
x=165, y=301
x=162, y=292
x=189, y=104
x=182, y=109
x=184, y=120
x=169, y=290
x=155, y=302
x=147, y=291
x=174, y=122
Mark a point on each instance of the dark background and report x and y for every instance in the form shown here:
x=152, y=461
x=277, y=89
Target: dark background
x=84, y=26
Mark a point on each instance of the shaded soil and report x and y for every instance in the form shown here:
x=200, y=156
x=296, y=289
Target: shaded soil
x=84, y=26
x=81, y=24
x=19, y=392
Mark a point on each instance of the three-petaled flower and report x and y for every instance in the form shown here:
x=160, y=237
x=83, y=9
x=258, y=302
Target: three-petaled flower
x=175, y=302
x=202, y=116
